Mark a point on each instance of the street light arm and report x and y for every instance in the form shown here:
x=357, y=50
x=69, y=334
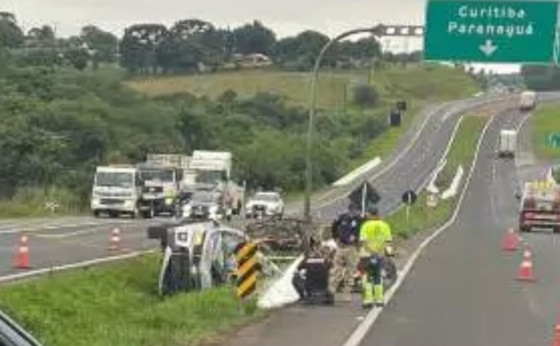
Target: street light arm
x=312, y=100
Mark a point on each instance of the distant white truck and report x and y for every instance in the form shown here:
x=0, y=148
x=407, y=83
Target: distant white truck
x=213, y=172
x=508, y=143
x=116, y=190
x=527, y=101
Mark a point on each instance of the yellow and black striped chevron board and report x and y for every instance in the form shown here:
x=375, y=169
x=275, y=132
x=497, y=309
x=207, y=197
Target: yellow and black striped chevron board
x=247, y=269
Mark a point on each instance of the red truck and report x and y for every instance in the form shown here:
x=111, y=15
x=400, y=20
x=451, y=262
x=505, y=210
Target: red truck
x=540, y=206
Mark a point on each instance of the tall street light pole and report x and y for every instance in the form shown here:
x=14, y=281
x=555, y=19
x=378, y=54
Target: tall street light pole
x=312, y=102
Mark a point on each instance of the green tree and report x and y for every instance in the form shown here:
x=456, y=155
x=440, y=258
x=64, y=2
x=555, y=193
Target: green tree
x=300, y=52
x=78, y=57
x=103, y=43
x=365, y=96
x=253, y=38
x=11, y=35
x=195, y=129
x=189, y=43
x=541, y=78
x=139, y=47
x=42, y=37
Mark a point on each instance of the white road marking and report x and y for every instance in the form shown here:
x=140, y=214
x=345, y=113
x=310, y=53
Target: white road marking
x=13, y=230
x=396, y=160
x=73, y=234
x=360, y=332
x=32, y=273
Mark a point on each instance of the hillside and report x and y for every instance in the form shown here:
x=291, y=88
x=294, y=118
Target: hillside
x=417, y=82
x=546, y=131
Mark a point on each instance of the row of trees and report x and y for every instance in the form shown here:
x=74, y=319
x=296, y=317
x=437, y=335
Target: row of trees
x=188, y=45
x=541, y=78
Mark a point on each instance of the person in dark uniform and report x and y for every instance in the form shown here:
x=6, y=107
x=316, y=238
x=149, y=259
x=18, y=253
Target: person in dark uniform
x=345, y=232
x=311, y=276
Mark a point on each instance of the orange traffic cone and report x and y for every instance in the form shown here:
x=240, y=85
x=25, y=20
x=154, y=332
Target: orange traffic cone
x=556, y=340
x=526, y=268
x=115, y=241
x=21, y=258
x=510, y=241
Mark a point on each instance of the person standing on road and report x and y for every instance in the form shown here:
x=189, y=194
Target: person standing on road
x=375, y=239
x=345, y=231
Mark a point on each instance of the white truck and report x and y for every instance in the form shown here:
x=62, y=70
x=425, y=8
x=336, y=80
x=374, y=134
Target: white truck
x=527, y=101
x=116, y=190
x=508, y=143
x=213, y=172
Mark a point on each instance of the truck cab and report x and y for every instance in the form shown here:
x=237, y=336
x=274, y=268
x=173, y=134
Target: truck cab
x=160, y=188
x=213, y=172
x=116, y=190
x=540, y=206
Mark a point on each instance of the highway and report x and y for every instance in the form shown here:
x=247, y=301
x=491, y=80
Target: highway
x=72, y=240
x=414, y=167
x=462, y=290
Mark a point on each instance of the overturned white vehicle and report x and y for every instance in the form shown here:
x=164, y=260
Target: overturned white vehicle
x=198, y=255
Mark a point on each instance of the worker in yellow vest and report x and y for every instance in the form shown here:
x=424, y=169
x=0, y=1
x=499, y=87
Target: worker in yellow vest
x=375, y=241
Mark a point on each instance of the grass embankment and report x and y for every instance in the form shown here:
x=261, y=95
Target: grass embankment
x=34, y=202
x=419, y=82
x=461, y=153
x=546, y=121
x=117, y=304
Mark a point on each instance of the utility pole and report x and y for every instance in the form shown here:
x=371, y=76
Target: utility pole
x=377, y=31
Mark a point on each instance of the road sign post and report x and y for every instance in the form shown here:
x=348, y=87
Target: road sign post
x=491, y=31
x=409, y=198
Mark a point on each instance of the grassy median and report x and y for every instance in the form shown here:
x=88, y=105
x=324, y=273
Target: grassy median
x=462, y=152
x=546, y=121
x=118, y=305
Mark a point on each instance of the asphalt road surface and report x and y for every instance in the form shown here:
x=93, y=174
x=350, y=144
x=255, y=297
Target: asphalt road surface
x=75, y=239
x=414, y=169
x=462, y=290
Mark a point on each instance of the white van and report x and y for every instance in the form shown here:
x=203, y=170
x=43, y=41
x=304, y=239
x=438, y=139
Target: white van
x=528, y=101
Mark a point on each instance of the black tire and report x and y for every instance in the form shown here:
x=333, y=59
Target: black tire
x=389, y=273
x=525, y=229
x=328, y=299
x=556, y=230
x=148, y=214
x=96, y=213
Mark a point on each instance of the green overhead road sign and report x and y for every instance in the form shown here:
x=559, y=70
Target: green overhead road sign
x=491, y=31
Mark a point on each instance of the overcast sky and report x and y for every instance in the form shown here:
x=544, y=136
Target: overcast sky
x=285, y=17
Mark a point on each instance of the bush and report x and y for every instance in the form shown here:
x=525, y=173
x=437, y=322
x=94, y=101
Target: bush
x=365, y=96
